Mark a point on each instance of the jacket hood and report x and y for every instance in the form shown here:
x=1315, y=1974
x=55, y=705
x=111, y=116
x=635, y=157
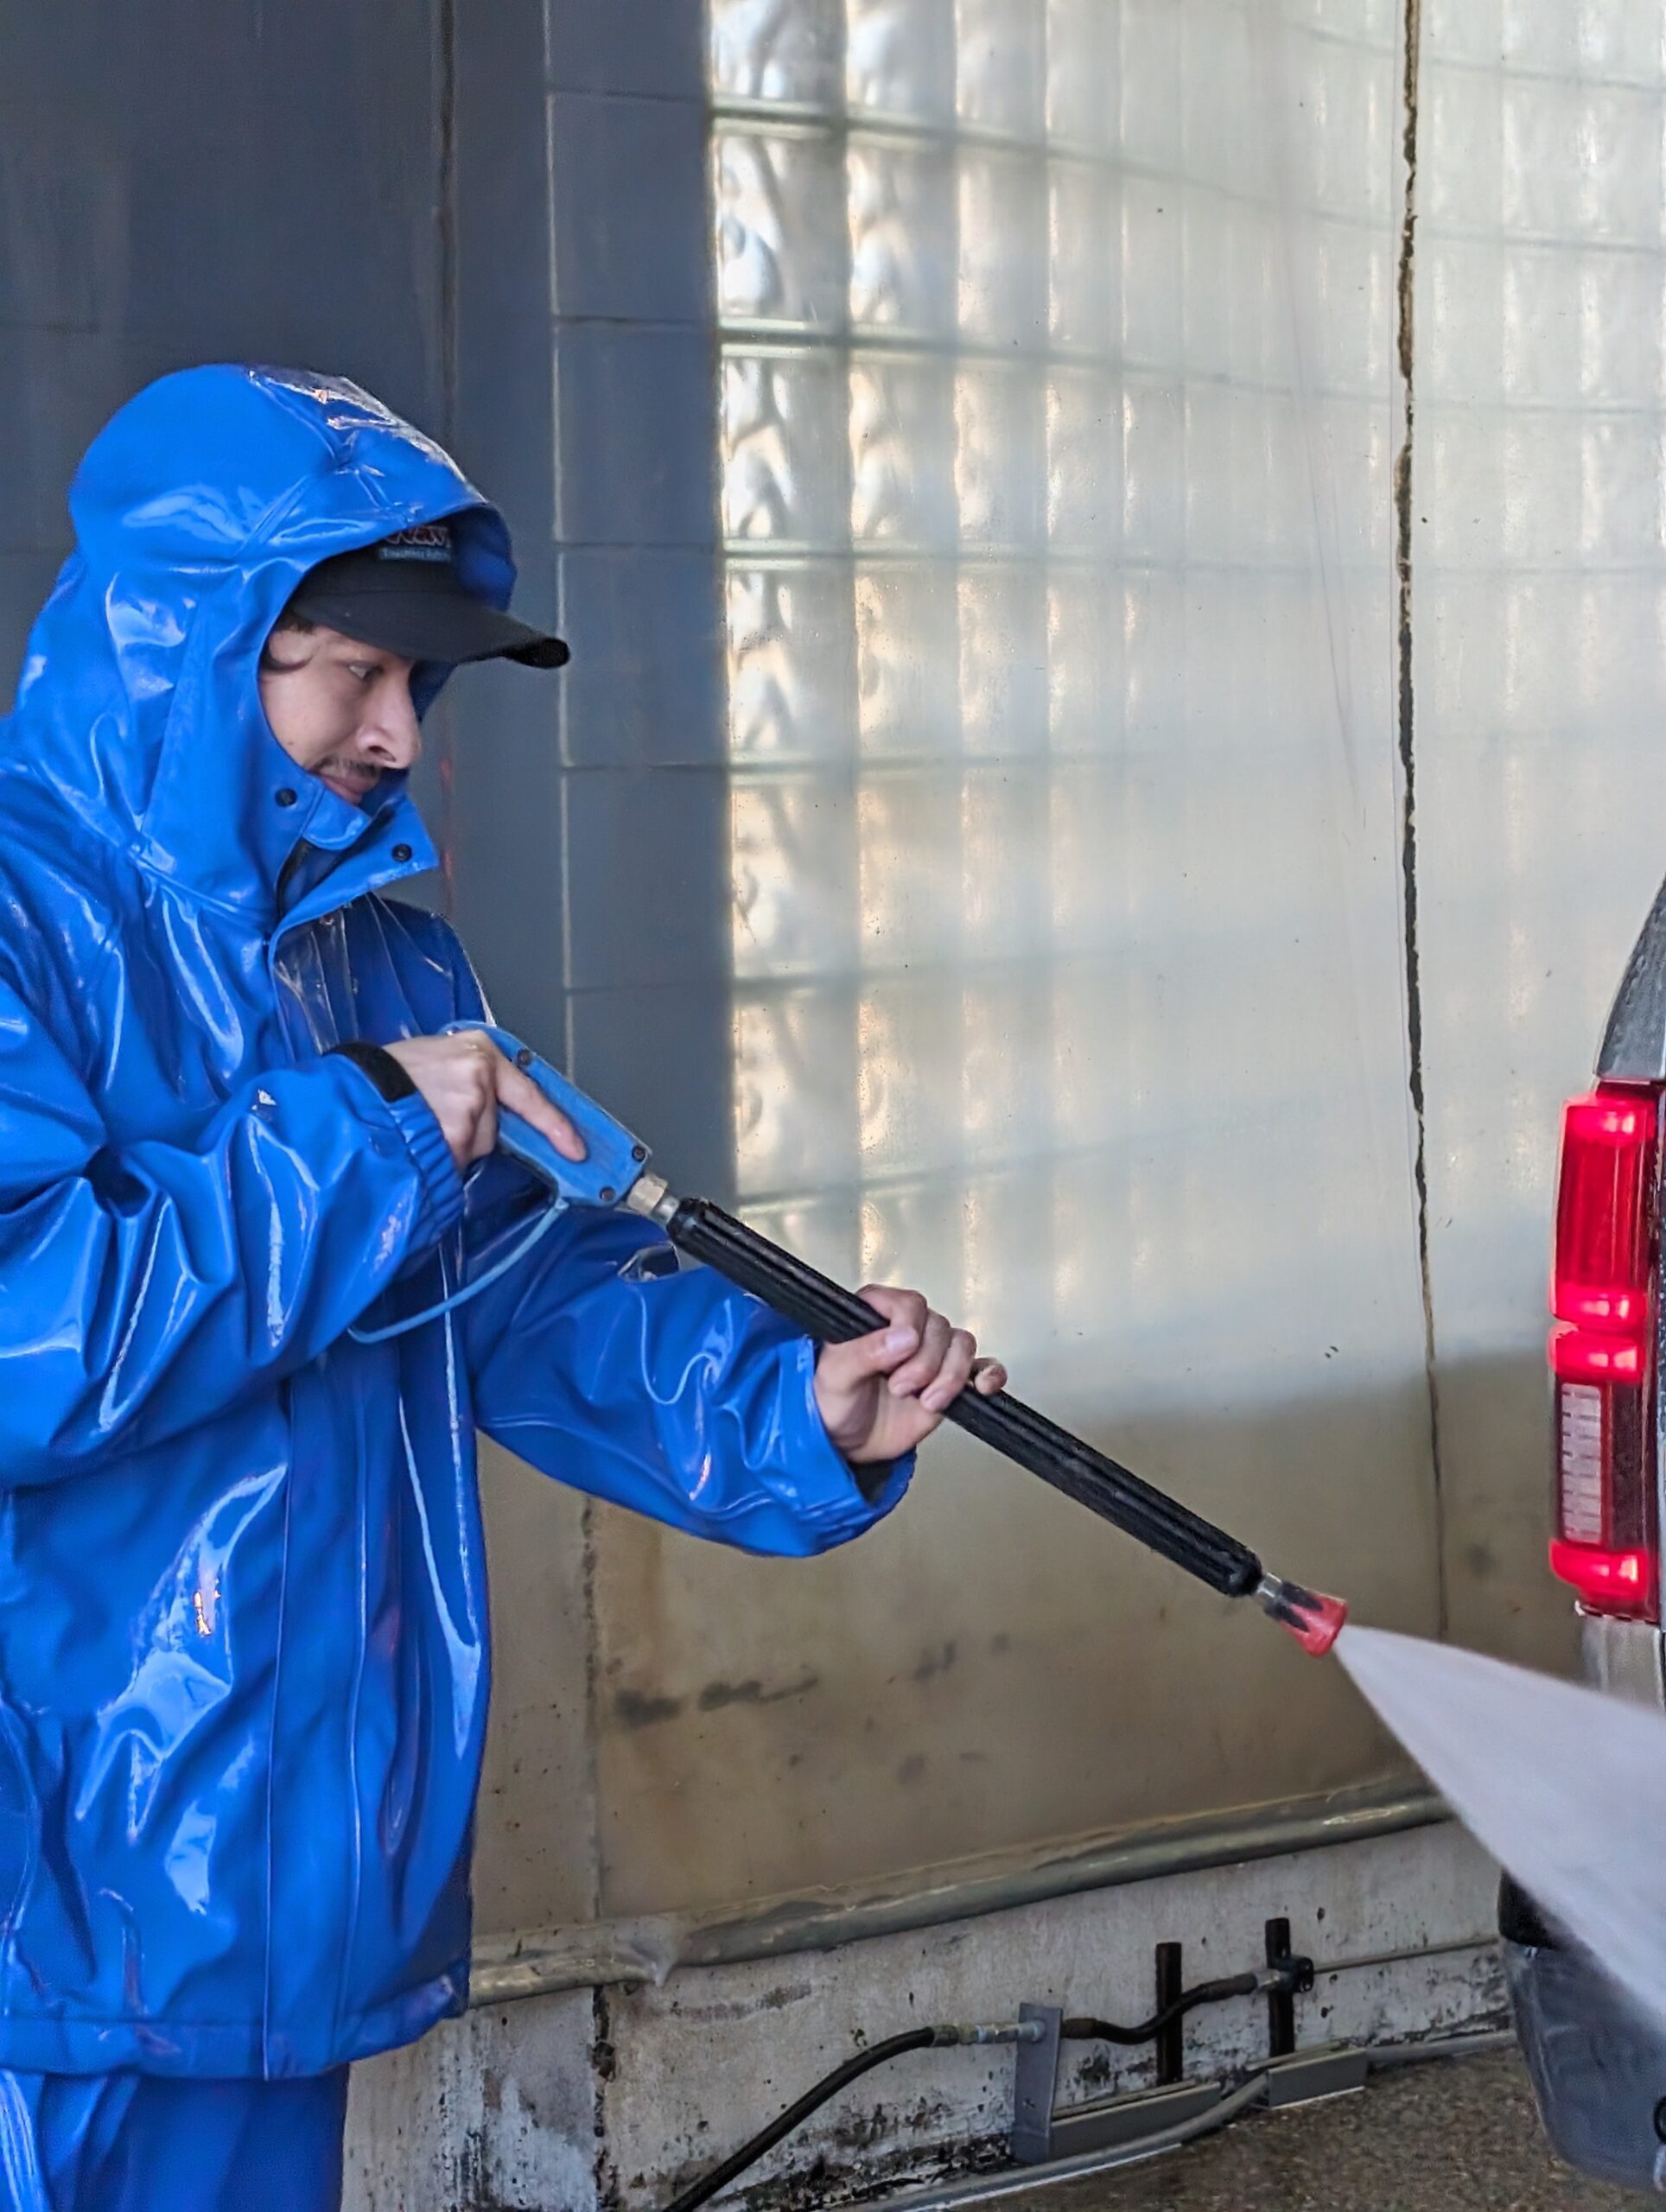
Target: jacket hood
x=197, y=510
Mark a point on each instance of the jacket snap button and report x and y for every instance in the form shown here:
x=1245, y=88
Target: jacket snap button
x=286, y=797
x=402, y=852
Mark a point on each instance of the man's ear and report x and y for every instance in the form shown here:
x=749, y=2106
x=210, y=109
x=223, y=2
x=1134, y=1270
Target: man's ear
x=295, y=628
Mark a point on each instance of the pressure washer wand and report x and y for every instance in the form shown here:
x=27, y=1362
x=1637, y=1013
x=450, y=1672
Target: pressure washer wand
x=615, y=1172
x=833, y=1315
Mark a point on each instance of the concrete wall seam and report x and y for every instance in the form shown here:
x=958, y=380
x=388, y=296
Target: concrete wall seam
x=1410, y=21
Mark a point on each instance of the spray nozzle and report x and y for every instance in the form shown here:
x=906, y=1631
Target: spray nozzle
x=1313, y=1619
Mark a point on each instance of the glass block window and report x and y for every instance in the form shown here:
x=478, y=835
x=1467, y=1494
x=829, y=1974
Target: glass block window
x=1058, y=588
x=1539, y=630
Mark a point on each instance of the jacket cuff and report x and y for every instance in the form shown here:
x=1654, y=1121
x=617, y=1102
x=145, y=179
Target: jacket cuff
x=392, y=1079
x=845, y=1500
x=442, y=1186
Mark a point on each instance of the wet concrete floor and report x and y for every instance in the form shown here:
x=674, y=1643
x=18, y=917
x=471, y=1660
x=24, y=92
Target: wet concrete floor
x=1452, y=2136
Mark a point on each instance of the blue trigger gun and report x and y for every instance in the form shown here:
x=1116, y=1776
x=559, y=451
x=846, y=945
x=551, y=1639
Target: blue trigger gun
x=613, y=1159
x=612, y=1168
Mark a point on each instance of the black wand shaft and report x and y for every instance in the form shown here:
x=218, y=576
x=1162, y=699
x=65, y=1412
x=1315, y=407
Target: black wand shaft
x=818, y=1306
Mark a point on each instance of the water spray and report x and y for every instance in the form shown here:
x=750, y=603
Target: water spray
x=615, y=1172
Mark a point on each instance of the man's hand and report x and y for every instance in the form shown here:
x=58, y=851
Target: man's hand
x=881, y=1396
x=467, y=1081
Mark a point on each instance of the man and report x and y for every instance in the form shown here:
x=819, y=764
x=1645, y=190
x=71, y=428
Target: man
x=243, y=1634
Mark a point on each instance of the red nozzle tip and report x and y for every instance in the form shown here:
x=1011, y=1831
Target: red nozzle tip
x=1318, y=1623
x=1313, y=1619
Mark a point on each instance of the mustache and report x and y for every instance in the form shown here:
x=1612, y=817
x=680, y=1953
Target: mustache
x=358, y=771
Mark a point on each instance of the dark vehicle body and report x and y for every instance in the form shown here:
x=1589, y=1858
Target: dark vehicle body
x=1598, y=2070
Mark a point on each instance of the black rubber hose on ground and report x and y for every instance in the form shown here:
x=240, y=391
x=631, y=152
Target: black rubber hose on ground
x=1084, y=2028
x=702, y=2191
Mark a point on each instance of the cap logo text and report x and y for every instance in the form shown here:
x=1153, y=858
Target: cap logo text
x=423, y=541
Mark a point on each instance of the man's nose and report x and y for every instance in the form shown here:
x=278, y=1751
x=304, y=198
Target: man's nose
x=393, y=735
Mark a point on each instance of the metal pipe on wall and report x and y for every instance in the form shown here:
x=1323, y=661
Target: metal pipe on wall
x=623, y=1952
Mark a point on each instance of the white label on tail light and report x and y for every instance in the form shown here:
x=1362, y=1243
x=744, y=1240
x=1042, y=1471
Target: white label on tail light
x=1581, y=1462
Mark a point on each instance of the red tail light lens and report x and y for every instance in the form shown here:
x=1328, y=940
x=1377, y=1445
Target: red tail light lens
x=1603, y=1211
x=1578, y=1355
x=1602, y=1351
x=1608, y=1581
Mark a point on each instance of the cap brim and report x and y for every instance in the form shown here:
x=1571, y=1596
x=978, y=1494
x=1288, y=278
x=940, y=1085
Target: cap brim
x=448, y=626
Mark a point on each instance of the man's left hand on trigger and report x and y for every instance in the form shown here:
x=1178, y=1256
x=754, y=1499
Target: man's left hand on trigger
x=882, y=1395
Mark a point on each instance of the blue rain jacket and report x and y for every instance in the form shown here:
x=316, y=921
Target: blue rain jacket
x=243, y=1613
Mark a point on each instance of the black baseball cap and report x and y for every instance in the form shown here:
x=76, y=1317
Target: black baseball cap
x=405, y=595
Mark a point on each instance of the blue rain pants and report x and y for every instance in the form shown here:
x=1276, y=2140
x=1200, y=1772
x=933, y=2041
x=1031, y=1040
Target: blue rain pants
x=144, y=2143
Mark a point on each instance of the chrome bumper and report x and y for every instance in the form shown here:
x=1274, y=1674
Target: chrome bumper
x=1624, y=1658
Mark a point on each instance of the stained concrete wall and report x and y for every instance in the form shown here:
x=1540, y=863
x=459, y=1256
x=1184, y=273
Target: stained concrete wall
x=1055, y=350
x=587, y=2100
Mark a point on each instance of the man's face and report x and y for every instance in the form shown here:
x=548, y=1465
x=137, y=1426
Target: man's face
x=340, y=708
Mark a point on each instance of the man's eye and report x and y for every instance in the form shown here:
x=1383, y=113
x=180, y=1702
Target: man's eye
x=361, y=671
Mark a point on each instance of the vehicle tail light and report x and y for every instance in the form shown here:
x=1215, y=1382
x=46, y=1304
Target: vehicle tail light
x=1602, y=1351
